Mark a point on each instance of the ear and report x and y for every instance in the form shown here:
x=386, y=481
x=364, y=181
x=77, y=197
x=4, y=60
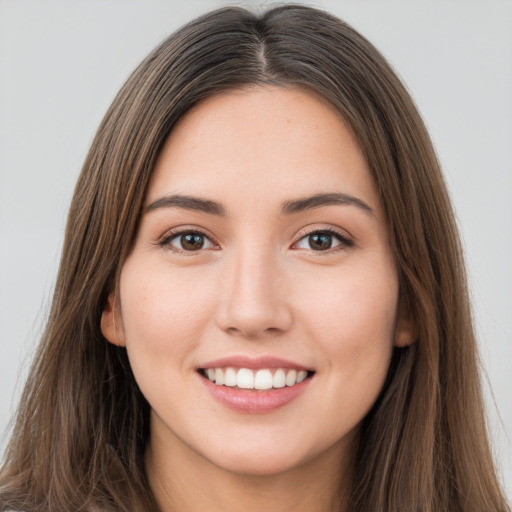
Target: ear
x=112, y=322
x=406, y=328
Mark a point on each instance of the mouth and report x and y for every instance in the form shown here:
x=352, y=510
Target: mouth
x=255, y=379
x=258, y=385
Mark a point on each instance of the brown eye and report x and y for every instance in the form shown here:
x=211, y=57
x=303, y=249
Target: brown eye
x=320, y=241
x=323, y=241
x=189, y=241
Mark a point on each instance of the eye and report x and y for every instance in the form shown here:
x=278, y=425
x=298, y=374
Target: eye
x=323, y=240
x=187, y=241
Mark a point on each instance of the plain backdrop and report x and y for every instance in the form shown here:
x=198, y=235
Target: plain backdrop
x=61, y=63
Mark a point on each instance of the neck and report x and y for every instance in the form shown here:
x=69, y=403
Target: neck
x=185, y=481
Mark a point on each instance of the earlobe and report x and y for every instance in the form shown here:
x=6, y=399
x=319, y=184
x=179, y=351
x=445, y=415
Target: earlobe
x=406, y=329
x=111, y=322
x=406, y=334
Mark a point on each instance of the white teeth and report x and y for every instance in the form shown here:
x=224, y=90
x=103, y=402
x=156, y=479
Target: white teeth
x=301, y=376
x=291, y=378
x=244, y=379
x=230, y=377
x=219, y=376
x=262, y=379
x=279, y=379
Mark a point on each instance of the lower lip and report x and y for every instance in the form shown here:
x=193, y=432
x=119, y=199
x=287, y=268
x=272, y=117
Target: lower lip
x=255, y=401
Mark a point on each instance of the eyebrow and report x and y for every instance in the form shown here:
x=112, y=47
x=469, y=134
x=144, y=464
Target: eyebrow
x=188, y=203
x=288, y=207
x=319, y=200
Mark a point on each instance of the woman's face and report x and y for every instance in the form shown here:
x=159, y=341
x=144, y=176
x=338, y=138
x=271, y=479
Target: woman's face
x=262, y=259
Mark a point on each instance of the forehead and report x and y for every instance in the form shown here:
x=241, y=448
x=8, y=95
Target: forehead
x=263, y=142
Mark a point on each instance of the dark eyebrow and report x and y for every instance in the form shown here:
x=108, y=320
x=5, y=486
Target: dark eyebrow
x=318, y=200
x=288, y=207
x=187, y=202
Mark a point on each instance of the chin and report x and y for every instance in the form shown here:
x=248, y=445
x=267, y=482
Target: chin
x=268, y=458
x=257, y=466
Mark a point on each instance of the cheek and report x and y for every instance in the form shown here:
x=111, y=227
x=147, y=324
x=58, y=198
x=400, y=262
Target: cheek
x=163, y=312
x=353, y=319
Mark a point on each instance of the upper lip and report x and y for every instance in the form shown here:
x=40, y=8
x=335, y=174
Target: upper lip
x=254, y=363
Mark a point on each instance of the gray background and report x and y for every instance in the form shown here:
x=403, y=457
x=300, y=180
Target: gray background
x=61, y=63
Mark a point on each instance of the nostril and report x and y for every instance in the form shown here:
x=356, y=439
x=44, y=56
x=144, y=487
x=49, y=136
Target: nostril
x=254, y=332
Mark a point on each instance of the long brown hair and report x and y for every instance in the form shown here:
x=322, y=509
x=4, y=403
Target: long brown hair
x=82, y=424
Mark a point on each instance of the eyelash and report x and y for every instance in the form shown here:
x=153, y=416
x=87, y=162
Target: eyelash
x=344, y=242
x=174, y=234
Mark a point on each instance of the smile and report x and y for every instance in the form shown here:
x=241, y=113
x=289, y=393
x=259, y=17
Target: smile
x=255, y=384
x=261, y=379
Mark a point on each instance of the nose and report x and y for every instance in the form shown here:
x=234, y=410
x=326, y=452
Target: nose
x=253, y=297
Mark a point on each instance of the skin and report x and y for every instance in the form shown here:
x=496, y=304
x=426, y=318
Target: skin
x=257, y=287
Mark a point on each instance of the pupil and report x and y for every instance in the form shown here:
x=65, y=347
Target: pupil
x=192, y=241
x=320, y=241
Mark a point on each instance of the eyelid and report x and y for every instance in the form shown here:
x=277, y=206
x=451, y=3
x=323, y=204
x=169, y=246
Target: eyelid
x=345, y=240
x=165, y=239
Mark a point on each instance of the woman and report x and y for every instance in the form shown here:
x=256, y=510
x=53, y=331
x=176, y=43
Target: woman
x=261, y=300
